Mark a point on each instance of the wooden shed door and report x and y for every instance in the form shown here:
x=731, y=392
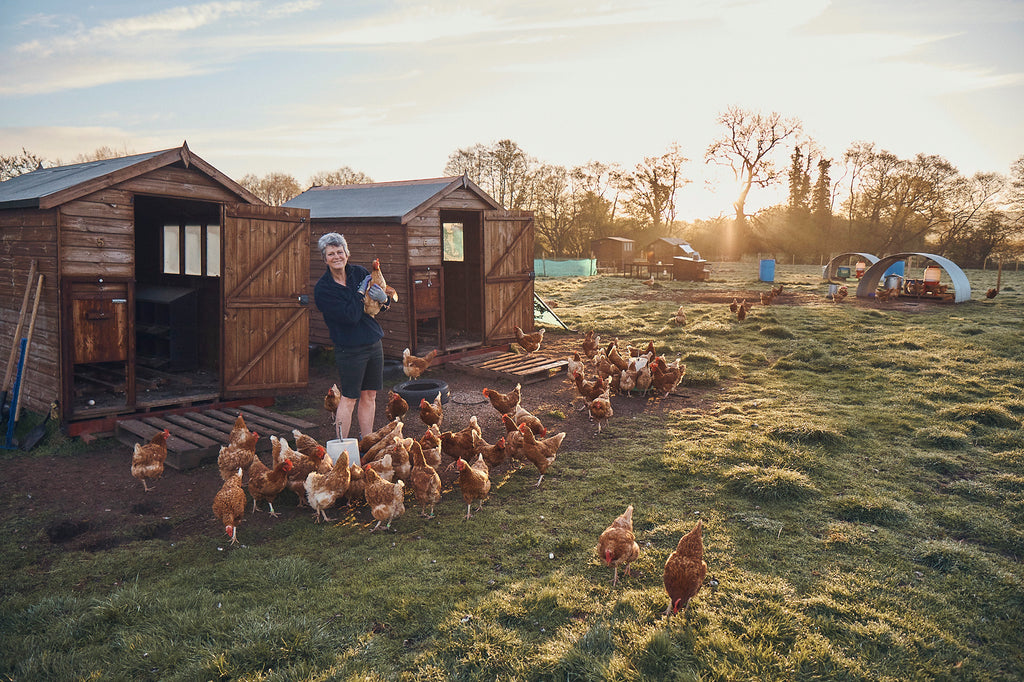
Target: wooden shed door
x=508, y=273
x=265, y=343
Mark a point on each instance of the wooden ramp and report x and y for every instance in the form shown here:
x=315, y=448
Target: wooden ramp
x=197, y=437
x=524, y=369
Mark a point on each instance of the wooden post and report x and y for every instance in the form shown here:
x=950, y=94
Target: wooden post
x=28, y=345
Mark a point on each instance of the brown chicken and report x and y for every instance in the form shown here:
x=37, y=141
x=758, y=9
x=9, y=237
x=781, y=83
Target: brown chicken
x=574, y=364
x=462, y=443
x=513, y=437
x=426, y=484
x=266, y=484
x=589, y=390
x=239, y=431
x=396, y=407
x=529, y=342
x=229, y=505
x=382, y=467
x=666, y=376
x=541, y=452
x=495, y=455
x=431, y=414
x=601, y=409
x=386, y=446
x=679, y=318
x=370, y=306
x=401, y=456
x=148, y=460
x=685, y=570
x=766, y=298
x=617, y=360
x=474, y=481
x=386, y=500
x=414, y=366
x=522, y=416
x=617, y=544
x=307, y=445
x=777, y=291
x=367, y=442
x=504, y=403
x=356, y=485
x=237, y=454
x=840, y=294
x=323, y=490
x=591, y=342
x=430, y=443
x=301, y=467
x=332, y=399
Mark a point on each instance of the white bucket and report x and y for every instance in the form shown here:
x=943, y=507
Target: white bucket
x=348, y=445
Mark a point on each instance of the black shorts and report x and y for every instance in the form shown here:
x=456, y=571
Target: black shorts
x=360, y=368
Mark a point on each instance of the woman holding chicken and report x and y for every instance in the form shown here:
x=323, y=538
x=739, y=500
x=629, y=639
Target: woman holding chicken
x=358, y=351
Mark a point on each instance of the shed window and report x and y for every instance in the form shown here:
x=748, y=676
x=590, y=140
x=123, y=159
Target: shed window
x=192, y=249
x=451, y=235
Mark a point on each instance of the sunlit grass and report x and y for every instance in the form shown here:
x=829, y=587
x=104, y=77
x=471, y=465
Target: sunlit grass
x=859, y=472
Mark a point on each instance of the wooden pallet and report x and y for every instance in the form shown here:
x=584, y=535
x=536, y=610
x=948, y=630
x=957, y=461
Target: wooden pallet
x=524, y=369
x=196, y=437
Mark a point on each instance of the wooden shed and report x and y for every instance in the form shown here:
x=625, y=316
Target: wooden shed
x=166, y=284
x=462, y=265
x=663, y=250
x=614, y=253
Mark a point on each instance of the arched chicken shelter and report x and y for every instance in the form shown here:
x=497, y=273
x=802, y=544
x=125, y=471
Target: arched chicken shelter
x=869, y=282
x=829, y=272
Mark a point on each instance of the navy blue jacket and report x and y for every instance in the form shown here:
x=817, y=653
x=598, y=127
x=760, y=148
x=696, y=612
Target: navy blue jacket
x=342, y=308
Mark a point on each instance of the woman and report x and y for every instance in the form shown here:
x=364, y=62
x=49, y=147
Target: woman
x=358, y=351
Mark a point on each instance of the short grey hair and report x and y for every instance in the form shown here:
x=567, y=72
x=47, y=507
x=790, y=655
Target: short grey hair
x=332, y=239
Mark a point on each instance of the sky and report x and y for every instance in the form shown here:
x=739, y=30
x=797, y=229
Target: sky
x=392, y=87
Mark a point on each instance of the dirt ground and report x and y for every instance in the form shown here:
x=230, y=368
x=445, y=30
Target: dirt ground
x=91, y=502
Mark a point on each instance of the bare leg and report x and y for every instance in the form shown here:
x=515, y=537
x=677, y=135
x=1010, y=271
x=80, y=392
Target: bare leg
x=366, y=411
x=344, y=416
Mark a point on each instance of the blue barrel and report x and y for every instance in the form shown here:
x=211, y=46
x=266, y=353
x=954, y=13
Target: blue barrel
x=768, y=270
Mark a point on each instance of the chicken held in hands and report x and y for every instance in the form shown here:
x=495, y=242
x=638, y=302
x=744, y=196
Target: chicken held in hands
x=148, y=460
x=229, y=505
x=370, y=306
x=685, y=570
x=386, y=500
x=504, y=403
x=474, y=481
x=617, y=544
x=414, y=366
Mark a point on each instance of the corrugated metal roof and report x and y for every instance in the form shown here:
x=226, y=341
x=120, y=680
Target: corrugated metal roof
x=384, y=201
x=26, y=190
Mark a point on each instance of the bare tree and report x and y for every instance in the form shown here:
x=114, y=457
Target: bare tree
x=501, y=169
x=19, y=164
x=652, y=189
x=747, y=147
x=273, y=188
x=343, y=176
x=969, y=202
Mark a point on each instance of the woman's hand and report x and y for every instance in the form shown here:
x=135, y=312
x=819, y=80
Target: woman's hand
x=377, y=294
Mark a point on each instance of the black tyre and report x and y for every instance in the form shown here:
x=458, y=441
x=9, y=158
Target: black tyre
x=415, y=389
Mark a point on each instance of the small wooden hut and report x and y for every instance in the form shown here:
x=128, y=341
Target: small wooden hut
x=462, y=265
x=613, y=253
x=166, y=284
x=664, y=249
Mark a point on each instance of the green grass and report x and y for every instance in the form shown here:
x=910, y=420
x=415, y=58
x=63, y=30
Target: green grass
x=859, y=471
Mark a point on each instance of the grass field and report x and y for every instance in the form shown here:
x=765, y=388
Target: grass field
x=859, y=471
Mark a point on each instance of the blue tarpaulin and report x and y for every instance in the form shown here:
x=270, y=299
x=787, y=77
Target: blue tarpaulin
x=583, y=267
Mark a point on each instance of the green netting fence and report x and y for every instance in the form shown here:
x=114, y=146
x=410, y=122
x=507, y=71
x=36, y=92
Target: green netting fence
x=582, y=267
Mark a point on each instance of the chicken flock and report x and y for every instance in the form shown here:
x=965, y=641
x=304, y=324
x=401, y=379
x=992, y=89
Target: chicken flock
x=394, y=461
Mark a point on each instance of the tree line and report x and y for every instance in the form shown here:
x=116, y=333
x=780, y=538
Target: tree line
x=869, y=199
